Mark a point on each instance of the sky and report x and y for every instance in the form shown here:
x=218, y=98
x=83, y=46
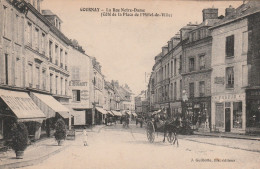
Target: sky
x=126, y=46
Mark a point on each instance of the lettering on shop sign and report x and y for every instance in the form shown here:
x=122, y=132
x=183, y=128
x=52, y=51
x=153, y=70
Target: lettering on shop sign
x=84, y=95
x=77, y=83
x=228, y=97
x=219, y=80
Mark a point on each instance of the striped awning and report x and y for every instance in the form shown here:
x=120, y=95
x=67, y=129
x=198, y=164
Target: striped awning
x=22, y=105
x=101, y=110
x=49, y=105
x=116, y=113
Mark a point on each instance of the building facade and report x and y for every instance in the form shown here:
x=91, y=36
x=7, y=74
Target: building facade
x=235, y=82
x=80, y=85
x=196, y=73
x=26, y=65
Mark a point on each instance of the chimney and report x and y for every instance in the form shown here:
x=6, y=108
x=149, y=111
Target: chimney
x=229, y=10
x=164, y=50
x=210, y=13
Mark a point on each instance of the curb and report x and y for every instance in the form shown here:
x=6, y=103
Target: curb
x=226, y=136
x=237, y=148
x=32, y=161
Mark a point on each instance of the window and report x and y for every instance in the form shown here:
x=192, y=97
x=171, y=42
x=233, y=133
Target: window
x=191, y=89
x=75, y=73
x=171, y=68
x=61, y=58
x=193, y=36
x=180, y=66
x=175, y=67
x=6, y=69
x=37, y=77
x=17, y=28
x=180, y=88
x=43, y=43
x=191, y=64
x=56, y=84
x=30, y=77
x=44, y=79
x=29, y=34
x=175, y=90
x=56, y=55
x=202, y=88
x=36, y=39
x=168, y=71
x=66, y=86
x=230, y=46
x=61, y=85
x=51, y=82
x=202, y=62
x=244, y=42
x=5, y=20
x=50, y=50
x=66, y=59
x=237, y=114
x=229, y=77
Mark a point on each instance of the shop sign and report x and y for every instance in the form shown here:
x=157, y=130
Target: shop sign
x=84, y=95
x=219, y=80
x=77, y=83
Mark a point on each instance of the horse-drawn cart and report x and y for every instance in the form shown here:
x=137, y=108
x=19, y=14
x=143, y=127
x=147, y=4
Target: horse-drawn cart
x=158, y=122
x=159, y=126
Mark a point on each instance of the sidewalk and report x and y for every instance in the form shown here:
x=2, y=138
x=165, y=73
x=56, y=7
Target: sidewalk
x=38, y=151
x=228, y=135
x=34, y=153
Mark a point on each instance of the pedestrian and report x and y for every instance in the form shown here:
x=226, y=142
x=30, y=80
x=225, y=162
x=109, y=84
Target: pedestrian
x=85, y=136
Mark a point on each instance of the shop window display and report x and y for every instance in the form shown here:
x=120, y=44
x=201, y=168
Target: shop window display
x=237, y=115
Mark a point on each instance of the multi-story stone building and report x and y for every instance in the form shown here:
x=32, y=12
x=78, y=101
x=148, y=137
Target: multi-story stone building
x=98, y=82
x=196, y=74
x=26, y=64
x=235, y=76
x=80, y=85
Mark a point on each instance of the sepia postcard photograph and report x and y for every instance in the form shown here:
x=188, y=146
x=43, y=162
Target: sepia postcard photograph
x=129, y=84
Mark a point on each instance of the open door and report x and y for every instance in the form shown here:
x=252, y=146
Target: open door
x=227, y=120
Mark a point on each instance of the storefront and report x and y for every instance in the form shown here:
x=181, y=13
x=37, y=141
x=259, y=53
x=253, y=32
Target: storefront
x=253, y=111
x=197, y=110
x=176, y=109
x=53, y=111
x=228, y=113
x=100, y=115
x=19, y=107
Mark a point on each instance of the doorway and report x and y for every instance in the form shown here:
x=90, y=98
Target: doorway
x=227, y=120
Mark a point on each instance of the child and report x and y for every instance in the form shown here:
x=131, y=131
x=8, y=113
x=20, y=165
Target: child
x=85, y=136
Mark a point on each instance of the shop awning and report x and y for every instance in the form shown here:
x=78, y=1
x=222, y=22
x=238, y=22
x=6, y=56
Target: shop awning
x=101, y=110
x=110, y=112
x=22, y=105
x=116, y=113
x=49, y=105
x=134, y=114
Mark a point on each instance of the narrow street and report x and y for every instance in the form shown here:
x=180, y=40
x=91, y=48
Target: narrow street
x=113, y=147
